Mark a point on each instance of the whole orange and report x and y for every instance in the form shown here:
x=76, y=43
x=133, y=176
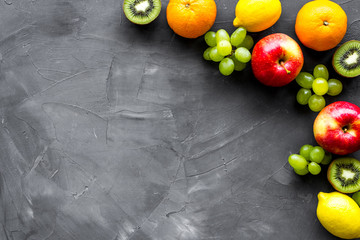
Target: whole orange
x=321, y=25
x=191, y=18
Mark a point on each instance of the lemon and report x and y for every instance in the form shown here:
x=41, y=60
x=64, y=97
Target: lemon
x=339, y=214
x=257, y=15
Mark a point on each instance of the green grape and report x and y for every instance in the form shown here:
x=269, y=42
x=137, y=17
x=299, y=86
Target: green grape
x=301, y=172
x=335, y=87
x=314, y=168
x=320, y=71
x=305, y=80
x=297, y=162
x=305, y=151
x=317, y=154
x=248, y=42
x=221, y=34
x=224, y=47
x=327, y=158
x=239, y=66
x=242, y=55
x=226, y=66
x=316, y=103
x=210, y=38
x=206, y=54
x=320, y=86
x=215, y=56
x=303, y=95
x=238, y=36
x=356, y=197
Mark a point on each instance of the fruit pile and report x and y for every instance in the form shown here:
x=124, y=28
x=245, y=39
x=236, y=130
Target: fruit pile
x=320, y=84
x=231, y=51
x=336, y=211
x=336, y=131
x=277, y=60
x=309, y=160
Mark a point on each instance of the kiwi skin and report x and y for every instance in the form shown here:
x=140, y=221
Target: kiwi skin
x=141, y=20
x=334, y=60
x=335, y=183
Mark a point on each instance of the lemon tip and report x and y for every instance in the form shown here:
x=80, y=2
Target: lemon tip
x=321, y=195
x=236, y=22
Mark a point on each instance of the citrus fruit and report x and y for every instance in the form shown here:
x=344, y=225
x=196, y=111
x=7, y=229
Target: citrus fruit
x=191, y=18
x=257, y=15
x=339, y=214
x=321, y=25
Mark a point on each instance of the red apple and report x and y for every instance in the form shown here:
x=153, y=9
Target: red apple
x=337, y=128
x=276, y=60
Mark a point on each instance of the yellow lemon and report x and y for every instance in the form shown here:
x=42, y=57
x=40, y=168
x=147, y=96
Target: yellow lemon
x=339, y=214
x=257, y=15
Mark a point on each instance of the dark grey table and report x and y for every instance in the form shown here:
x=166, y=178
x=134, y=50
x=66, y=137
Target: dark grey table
x=115, y=131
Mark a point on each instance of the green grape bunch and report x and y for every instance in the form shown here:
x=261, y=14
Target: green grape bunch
x=231, y=52
x=315, y=86
x=309, y=160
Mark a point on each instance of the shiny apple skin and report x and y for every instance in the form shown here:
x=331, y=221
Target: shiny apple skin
x=268, y=53
x=337, y=128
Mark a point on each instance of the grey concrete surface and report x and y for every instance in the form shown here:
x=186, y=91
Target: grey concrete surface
x=113, y=131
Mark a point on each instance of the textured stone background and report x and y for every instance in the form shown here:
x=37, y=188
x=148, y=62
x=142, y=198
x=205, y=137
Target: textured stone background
x=115, y=131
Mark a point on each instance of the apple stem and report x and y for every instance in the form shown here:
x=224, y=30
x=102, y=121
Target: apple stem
x=283, y=65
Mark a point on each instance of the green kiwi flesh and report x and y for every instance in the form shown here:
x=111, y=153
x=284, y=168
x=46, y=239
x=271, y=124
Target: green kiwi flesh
x=142, y=11
x=344, y=175
x=346, y=59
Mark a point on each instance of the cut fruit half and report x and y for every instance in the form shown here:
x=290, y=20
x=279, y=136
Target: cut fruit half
x=344, y=175
x=142, y=11
x=346, y=59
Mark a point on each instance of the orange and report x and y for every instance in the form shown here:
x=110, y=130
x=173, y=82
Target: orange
x=321, y=25
x=191, y=18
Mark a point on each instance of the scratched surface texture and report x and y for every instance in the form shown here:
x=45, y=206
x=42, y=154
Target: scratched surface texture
x=114, y=131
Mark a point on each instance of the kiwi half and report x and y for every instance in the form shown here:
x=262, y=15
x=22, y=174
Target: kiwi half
x=346, y=59
x=344, y=175
x=142, y=11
